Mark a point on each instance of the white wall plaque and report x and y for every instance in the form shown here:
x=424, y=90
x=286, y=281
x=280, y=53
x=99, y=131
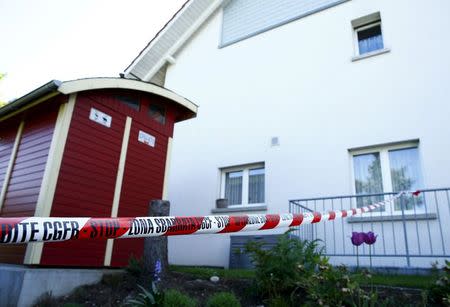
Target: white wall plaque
x=100, y=117
x=146, y=138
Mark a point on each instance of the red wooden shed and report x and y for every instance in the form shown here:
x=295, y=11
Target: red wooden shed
x=90, y=148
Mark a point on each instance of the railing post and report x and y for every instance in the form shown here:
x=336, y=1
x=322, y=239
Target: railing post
x=402, y=206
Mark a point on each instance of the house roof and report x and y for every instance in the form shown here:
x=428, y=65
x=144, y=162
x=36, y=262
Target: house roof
x=171, y=38
x=55, y=87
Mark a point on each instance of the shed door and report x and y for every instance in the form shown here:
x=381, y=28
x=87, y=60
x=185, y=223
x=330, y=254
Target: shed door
x=143, y=181
x=86, y=180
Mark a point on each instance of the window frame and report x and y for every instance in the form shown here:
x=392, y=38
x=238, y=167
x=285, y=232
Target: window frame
x=364, y=23
x=245, y=183
x=383, y=151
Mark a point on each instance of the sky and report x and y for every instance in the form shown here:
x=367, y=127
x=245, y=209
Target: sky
x=42, y=40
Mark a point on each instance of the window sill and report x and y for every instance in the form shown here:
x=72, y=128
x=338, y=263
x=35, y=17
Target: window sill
x=370, y=54
x=393, y=218
x=240, y=209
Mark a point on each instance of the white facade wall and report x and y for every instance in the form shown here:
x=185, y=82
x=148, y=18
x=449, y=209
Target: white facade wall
x=297, y=82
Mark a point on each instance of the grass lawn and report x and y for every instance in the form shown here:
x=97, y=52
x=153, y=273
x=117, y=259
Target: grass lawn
x=203, y=272
x=409, y=281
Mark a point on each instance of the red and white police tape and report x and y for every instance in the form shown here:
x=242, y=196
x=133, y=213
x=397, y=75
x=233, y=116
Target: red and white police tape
x=54, y=229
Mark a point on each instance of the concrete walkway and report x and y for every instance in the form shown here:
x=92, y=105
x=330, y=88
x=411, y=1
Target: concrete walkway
x=22, y=285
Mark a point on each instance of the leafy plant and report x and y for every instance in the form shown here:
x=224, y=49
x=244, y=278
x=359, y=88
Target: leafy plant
x=439, y=292
x=174, y=298
x=295, y=272
x=336, y=287
x=147, y=297
x=290, y=263
x=135, y=266
x=223, y=299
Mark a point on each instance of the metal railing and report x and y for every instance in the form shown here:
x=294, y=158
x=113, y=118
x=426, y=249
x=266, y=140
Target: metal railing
x=412, y=231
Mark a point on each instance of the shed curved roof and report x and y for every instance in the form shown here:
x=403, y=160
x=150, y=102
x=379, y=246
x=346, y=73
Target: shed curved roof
x=79, y=85
x=73, y=86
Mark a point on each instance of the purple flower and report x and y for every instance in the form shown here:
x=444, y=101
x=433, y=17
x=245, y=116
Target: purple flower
x=358, y=238
x=158, y=270
x=370, y=238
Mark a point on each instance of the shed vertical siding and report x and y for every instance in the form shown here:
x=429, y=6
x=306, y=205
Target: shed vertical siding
x=7, y=137
x=88, y=173
x=143, y=181
x=28, y=171
x=86, y=180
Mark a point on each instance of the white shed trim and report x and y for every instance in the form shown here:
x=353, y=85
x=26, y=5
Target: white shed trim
x=74, y=86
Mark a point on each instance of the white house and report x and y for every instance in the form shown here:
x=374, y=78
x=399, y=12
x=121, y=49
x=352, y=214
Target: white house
x=304, y=99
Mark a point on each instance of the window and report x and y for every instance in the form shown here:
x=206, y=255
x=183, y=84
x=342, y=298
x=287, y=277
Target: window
x=243, y=185
x=370, y=38
x=131, y=102
x=387, y=169
x=158, y=113
x=368, y=34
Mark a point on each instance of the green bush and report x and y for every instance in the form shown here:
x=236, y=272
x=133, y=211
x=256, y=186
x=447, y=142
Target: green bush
x=286, y=267
x=174, y=298
x=223, y=299
x=336, y=287
x=295, y=272
x=438, y=294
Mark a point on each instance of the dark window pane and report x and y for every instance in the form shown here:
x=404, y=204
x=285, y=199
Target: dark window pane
x=370, y=39
x=132, y=102
x=256, y=186
x=158, y=113
x=370, y=32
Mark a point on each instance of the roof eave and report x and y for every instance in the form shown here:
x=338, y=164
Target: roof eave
x=69, y=87
x=162, y=56
x=19, y=103
x=164, y=28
